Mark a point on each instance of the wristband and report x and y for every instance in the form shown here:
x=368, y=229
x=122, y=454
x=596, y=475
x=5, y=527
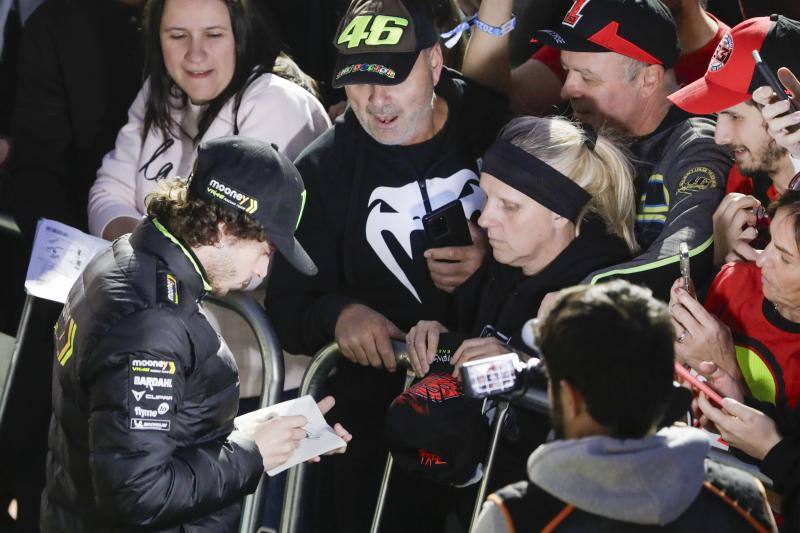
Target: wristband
x=499, y=31
x=454, y=35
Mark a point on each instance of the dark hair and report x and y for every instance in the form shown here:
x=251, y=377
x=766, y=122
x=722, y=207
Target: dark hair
x=789, y=202
x=257, y=47
x=614, y=343
x=196, y=221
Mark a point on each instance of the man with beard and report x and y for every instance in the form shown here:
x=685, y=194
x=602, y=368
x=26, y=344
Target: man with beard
x=407, y=145
x=763, y=169
x=620, y=56
x=535, y=85
x=609, y=469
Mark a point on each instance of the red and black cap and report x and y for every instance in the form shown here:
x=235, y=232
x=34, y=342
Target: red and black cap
x=378, y=41
x=731, y=77
x=435, y=432
x=640, y=29
x=251, y=177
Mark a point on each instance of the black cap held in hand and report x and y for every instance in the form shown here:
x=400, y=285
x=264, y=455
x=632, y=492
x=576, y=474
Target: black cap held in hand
x=640, y=29
x=249, y=176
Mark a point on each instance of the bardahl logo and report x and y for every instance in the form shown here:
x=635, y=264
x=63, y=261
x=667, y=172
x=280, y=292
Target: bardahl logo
x=153, y=366
x=231, y=196
x=574, y=14
x=151, y=382
x=722, y=54
x=697, y=179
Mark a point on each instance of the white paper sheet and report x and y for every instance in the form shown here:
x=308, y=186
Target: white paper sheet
x=322, y=439
x=60, y=253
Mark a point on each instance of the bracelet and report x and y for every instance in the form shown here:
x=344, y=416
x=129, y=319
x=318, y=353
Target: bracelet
x=451, y=37
x=507, y=26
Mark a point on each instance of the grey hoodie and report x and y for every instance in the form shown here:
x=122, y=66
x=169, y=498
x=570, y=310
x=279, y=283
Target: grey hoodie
x=649, y=481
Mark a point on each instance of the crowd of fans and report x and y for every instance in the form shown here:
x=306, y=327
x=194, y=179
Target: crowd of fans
x=583, y=157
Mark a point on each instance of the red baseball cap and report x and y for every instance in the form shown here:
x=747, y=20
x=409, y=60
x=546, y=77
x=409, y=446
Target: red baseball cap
x=731, y=76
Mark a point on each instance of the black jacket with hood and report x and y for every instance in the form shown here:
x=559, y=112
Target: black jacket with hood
x=362, y=223
x=144, y=395
x=504, y=298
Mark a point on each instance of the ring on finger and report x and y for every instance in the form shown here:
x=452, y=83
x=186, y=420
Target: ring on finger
x=683, y=336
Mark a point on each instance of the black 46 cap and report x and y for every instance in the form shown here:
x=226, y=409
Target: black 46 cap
x=640, y=29
x=378, y=41
x=251, y=177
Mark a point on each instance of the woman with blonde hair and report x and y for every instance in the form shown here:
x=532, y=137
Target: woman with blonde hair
x=559, y=206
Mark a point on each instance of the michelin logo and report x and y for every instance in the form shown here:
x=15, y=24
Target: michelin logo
x=151, y=382
x=140, y=424
x=233, y=197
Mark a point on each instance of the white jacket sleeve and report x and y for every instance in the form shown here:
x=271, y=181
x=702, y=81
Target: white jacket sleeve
x=275, y=110
x=113, y=194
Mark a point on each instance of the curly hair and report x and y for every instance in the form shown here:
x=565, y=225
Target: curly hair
x=196, y=221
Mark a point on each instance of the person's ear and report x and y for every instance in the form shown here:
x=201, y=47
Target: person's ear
x=572, y=400
x=559, y=221
x=436, y=62
x=652, y=79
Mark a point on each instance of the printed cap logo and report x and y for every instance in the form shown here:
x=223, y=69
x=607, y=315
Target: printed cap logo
x=232, y=197
x=721, y=54
x=574, y=14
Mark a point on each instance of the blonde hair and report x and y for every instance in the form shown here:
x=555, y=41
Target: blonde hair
x=605, y=172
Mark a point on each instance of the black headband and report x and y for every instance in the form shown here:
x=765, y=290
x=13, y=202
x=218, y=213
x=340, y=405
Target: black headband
x=535, y=178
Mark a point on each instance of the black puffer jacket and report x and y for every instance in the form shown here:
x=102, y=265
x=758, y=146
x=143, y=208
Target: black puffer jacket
x=144, y=395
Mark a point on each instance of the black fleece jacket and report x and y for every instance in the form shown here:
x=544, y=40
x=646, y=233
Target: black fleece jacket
x=362, y=222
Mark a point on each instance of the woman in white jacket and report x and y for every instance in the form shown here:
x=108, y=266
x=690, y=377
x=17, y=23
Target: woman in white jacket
x=210, y=72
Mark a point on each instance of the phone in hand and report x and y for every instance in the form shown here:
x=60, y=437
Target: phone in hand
x=772, y=80
x=447, y=226
x=686, y=266
x=702, y=386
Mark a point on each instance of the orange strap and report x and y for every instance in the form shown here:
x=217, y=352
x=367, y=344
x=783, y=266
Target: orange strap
x=560, y=517
x=498, y=501
x=735, y=505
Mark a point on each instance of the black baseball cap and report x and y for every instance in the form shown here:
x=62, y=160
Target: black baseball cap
x=435, y=432
x=378, y=41
x=640, y=29
x=252, y=177
x=731, y=76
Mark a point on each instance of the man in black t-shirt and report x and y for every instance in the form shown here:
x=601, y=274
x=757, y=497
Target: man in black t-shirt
x=408, y=144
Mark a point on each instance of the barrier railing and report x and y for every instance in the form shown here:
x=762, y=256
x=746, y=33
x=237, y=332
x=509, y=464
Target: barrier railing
x=271, y=386
x=313, y=380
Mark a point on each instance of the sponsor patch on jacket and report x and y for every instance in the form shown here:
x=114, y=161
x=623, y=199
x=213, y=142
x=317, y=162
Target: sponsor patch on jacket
x=150, y=397
x=168, y=289
x=697, y=179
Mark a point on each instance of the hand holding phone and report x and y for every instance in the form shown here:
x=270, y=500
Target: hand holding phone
x=686, y=273
x=702, y=386
x=447, y=226
x=772, y=80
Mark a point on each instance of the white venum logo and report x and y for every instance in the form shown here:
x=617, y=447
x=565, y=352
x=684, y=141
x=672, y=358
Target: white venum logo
x=407, y=209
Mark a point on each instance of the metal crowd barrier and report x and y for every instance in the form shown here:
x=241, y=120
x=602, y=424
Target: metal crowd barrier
x=313, y=380
x=10, y=348
x=271, y=386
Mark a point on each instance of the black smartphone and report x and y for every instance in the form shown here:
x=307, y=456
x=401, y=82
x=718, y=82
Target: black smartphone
x=772, y=80
x=447, y=226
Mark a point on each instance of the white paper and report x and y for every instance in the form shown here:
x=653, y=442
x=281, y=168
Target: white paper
x=60, y=253
x=322, y=438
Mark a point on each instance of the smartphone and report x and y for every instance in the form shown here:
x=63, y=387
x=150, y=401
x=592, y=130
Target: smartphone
x=686, y=272
x=772, y=80
x=686, y=375
x=490, y=376
x=447, y=226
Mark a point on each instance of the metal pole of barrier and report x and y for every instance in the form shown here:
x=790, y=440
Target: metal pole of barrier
x=502, y=409
x=271, y=385
x=387, y=471
x=321, y=366
x=20, y=339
